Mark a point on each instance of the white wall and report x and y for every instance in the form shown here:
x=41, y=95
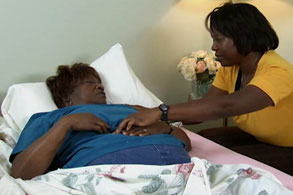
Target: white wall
x=38, y=35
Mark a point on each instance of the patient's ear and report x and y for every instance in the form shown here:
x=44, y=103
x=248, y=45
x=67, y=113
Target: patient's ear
x=68, y=102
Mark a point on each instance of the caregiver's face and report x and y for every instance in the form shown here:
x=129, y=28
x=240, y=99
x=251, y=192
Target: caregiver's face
x=225, y=50
x=89, y=91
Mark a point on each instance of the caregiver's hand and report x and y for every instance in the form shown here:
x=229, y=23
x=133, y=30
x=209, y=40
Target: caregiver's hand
x=142, y=118
x=156, y=128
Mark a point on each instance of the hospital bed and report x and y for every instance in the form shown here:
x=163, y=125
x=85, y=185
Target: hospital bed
x=214, y=169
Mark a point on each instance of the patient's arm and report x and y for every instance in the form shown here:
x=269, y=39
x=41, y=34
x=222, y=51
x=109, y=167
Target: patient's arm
x=158, y=128
x=36, y=159
x=180, y=134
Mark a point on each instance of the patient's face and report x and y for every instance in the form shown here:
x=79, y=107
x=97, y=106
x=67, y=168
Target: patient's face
x=88, y=91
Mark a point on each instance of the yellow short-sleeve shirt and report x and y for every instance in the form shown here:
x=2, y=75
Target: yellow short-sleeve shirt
x=274, y=76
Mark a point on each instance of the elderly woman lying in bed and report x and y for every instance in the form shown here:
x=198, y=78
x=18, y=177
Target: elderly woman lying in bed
x=79, y=132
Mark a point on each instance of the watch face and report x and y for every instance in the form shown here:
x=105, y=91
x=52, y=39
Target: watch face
x=164, y=107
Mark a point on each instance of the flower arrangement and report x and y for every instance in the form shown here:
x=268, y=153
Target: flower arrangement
x=200, y=65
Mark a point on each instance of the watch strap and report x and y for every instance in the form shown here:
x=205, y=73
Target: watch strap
x=164, y=109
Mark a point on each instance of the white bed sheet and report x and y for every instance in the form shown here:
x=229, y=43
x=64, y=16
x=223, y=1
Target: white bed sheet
x=213, y=152
x=200, y=176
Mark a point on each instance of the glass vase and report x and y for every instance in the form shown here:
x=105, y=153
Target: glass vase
x=199, y=88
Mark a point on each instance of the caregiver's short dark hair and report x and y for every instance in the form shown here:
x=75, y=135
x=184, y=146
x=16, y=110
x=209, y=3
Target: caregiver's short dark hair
x=245, y=25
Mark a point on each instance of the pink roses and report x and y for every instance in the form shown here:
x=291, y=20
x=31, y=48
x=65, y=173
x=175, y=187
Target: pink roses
x=199, y=62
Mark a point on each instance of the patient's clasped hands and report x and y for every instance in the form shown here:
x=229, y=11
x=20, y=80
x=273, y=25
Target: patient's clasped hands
x=86, y=121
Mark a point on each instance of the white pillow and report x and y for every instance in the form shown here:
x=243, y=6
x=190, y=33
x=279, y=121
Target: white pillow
x=23, y=100
x=121, y=84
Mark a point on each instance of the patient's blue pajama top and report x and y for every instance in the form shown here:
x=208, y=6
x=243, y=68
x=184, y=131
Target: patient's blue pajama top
x=79, y=148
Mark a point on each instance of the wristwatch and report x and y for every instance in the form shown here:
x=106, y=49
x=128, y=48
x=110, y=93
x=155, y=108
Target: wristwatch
x=164, y=108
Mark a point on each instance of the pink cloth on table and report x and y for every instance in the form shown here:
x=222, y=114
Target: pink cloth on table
x=211, y=151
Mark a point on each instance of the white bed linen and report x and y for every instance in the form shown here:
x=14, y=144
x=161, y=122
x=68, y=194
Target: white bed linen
x=198, y=177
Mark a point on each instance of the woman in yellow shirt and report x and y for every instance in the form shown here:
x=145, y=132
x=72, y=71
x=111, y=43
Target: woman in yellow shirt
x=254, y=86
